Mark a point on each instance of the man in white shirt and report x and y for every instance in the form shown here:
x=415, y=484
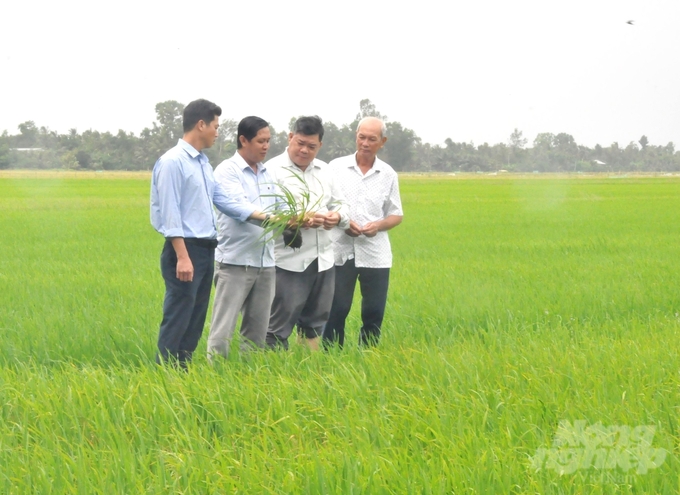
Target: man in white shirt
x=363, y=250
x=244, y=258
x=305, y=275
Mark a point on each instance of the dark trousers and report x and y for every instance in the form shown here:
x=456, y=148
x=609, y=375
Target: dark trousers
x=373, y=283
x=185, y=304
x=303, y=299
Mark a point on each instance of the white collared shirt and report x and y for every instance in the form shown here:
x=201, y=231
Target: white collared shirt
x=371, y=198
x=325, y=196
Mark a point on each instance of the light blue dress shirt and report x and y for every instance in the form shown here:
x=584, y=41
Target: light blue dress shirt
x=183, y=190
x=242, y=243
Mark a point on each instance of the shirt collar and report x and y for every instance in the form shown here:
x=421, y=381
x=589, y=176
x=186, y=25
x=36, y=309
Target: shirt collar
x=193, y=152
x=243, y=164
x=377, y=164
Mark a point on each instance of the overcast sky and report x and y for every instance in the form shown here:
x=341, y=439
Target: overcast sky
x=471, y=71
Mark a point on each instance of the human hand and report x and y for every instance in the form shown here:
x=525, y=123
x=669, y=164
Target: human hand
x=354, y=230
x=317, y=220
x=370, y=229
x=331, y=220
x=185, y=269
x=305, y=221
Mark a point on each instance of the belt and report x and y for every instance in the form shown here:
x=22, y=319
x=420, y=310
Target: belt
x=204, y=243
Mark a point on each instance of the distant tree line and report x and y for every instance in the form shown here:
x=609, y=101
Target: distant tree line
x=41, y=148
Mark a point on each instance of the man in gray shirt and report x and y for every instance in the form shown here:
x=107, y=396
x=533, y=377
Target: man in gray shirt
x=245, y=274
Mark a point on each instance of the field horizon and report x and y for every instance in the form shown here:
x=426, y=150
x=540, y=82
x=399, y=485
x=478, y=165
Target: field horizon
x=498, y=174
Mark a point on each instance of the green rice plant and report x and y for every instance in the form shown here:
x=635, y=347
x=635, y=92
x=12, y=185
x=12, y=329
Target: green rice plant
x=515, y=305
x=293, y=210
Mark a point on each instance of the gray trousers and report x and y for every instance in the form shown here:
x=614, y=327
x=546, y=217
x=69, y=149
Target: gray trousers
x=240, y=289
x=302, y=298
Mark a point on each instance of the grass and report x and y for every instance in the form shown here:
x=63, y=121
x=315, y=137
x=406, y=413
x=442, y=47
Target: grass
x=514, y=304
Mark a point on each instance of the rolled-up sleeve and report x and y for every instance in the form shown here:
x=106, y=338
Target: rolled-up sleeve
x=166, y=194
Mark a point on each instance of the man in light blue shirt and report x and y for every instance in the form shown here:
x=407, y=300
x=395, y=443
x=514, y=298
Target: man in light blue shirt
x=183, y=191
x=244, y=272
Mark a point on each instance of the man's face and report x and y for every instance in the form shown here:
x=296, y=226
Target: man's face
x=255, y=150
x=303, y=149
x=369, y=140
x=208, y=131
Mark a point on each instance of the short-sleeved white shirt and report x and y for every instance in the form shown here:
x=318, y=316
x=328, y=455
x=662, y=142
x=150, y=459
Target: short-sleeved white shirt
x=371, y=197
x=325, y=195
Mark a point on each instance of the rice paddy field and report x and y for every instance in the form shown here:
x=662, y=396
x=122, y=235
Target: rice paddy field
x=530, y=346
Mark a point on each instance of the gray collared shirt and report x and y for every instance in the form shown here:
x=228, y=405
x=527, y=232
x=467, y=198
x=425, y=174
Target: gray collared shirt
x=242, y=243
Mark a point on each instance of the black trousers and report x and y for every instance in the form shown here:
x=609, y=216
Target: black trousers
x=373, y=283
x=185, y=304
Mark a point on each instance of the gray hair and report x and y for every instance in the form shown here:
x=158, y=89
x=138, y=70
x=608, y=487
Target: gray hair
x=383, y=127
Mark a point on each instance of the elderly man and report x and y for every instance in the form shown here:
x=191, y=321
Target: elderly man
x=245, y=274
x=305, y=275
x=183, y=192
x=363, y=250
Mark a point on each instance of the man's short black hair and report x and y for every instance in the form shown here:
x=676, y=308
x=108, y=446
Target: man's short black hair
x=248, y=128
x=199, y=110
x=309, y=126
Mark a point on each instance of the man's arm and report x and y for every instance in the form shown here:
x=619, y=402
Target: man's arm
x=372, y=228
x=166, y=198
x=185, y=268
x=168, y=185
x=230, y=199
x=391, y=209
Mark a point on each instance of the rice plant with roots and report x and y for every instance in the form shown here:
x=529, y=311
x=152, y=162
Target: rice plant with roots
x=294, y=209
